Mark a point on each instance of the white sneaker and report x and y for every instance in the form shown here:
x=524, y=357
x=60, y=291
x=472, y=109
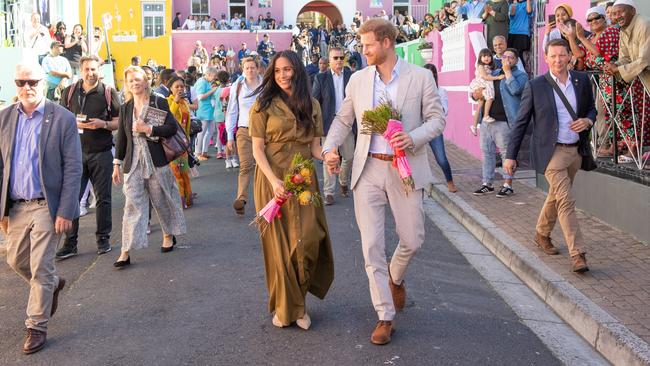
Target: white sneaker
x=235, y=163
x=488, y=119
x=83, y=211
x=228, y=164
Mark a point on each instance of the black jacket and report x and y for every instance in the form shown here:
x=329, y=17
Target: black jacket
x=124, y=138
x=323, y=91
x=538, y=105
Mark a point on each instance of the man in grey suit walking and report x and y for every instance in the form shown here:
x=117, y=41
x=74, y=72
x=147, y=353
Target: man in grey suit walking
x=41, y=174
x=375, y=182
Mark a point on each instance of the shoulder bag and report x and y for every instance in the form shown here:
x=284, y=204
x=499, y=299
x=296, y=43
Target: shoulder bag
x=588, y=162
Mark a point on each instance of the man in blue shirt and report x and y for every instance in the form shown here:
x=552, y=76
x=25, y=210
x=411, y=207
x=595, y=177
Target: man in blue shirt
x=41, y=171
x=57, y=69
x=243, y=52
x=472, y=9
x=521, y=13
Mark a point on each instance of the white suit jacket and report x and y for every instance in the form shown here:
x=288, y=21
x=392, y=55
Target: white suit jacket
x=422, y=118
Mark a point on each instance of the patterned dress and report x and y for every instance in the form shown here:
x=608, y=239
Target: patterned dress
x=607, y=43
x=181, y=167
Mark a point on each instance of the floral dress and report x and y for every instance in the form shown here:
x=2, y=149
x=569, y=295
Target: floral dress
x=181, y=167
x=607, y=44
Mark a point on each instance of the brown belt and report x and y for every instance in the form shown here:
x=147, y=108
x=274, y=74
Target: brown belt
x=384, y=157
x=567, y=145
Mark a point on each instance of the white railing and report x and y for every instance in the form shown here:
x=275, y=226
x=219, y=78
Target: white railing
x=453, y=47
x=606, y=143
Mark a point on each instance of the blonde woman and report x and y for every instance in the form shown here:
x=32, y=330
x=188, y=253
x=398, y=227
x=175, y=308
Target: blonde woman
x=140, y=155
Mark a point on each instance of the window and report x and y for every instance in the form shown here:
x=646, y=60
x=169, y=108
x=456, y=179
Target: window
x=153, y=19
x=201, y=7
x=237, y=7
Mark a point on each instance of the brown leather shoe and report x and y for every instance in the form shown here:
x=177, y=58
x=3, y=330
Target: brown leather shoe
x=55, y=297
x=545, y=243
x=35, y=340
x=345, y=191
x=398, y=292
x=329, y=199
x=383, y=331
x=579, y=263
x=239, y=205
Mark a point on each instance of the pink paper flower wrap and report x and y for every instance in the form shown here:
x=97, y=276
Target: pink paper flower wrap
x=399, y=160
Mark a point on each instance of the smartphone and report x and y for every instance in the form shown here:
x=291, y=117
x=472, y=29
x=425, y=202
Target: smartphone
x=551, y=18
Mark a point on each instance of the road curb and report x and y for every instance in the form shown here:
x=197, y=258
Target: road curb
x=603, y=332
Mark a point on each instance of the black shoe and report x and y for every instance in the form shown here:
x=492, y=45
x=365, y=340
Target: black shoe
x=169, y=249
x=66, y=252
x=505, y=192
x=121, y=264
x=103, y=248
x=483, y=190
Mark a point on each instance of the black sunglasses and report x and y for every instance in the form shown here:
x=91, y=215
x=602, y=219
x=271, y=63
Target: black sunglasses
x=338, y=58
x=32, y=83
x=594, y=19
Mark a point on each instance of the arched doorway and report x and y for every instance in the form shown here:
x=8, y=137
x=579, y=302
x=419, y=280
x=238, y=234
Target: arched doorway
x=328, y=10
x=335, y=11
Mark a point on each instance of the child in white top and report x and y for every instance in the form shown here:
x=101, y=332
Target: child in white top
x=484, y=80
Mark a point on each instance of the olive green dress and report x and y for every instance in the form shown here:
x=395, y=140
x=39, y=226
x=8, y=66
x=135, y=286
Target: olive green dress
x=297, y=248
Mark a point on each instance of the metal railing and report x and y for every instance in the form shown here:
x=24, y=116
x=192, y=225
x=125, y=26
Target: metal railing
x=618, y=131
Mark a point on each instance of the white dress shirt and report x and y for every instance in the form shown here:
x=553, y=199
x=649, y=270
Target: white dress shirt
x=565, y=135
x=339, y=90
x=205, y=25
x=190, y=24
x=239, y=108
x=384, y=92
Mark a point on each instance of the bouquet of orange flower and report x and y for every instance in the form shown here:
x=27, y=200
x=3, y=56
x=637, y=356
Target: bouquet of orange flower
x=297, y=183
x=385, y=120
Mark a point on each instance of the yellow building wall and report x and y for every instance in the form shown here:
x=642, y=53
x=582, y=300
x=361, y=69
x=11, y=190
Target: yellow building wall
x=130, y=14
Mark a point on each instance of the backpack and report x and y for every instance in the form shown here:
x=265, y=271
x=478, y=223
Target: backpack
x=108, y=96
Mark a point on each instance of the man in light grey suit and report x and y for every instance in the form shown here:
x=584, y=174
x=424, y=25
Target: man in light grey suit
x=375, y=182
x=40, y=161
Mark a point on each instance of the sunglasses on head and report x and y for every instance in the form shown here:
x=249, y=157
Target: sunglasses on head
x=594, y=18
x=338, y=58
x=32, y=83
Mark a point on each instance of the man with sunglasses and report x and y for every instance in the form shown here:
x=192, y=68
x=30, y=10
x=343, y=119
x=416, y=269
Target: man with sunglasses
x=329, y=90
x=41, y=173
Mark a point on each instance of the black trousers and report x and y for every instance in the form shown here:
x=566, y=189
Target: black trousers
x=98, y=167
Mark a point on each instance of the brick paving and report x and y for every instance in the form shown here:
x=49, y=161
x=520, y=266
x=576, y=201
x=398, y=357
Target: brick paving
x=619, y=276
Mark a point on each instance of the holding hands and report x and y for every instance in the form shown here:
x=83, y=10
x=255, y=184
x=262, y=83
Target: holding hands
x=332, y=159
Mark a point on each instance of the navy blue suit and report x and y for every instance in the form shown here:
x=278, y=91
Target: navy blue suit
x=538, y=106
x=323, y=91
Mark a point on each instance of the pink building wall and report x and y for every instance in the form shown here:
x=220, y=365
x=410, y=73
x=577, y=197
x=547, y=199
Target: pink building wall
x=459, y=116
x=367, y=11
x=183, y=42
x=217, y=7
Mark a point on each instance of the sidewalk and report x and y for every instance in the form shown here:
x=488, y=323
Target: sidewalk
x=609, y=305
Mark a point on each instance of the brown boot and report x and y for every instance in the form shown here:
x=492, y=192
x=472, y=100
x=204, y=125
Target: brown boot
x=545, y=243
x=579, y=263
x=383, y=331
x=345, y=191
x=398, y=292
x=451, y=187
x=239, y=206
x=34, y=341
x=55, y=296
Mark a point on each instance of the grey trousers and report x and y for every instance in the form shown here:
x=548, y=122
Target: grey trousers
x=31, y=245
x=161, y=189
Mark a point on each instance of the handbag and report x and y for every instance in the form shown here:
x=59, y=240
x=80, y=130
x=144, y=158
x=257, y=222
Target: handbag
x=195, y=127
x=588, y=163
x=177, y=144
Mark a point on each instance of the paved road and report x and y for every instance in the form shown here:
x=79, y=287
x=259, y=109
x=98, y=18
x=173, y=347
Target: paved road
x=205, y=303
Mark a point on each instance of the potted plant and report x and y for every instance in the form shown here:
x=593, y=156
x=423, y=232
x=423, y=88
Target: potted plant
x=426, y=50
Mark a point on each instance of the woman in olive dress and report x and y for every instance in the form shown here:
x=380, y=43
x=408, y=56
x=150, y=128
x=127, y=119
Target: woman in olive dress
x=284, y=121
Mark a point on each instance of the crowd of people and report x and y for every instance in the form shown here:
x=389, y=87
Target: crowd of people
x=257, y=114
